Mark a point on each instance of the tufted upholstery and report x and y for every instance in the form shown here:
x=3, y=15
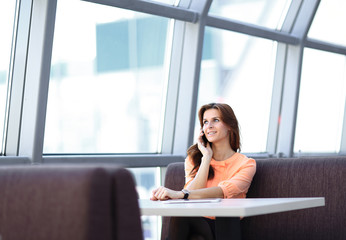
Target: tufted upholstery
x=295, y=177
x=66, y=202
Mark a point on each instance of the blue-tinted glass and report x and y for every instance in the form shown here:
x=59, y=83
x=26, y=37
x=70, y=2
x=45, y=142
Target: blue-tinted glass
x=107, y=83
x=59, y=70
x=240, y=73
x=207, y=52
x=113, y=39
x=3, y=76
x=112, y=46
x=151, y=41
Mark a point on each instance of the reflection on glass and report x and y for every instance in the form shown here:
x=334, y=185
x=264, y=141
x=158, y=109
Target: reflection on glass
x=106, y=92
x=321, y=102
x=328, y=24
x=147, y=179
x=266, y=13
x=7, y=11
x=238, y=70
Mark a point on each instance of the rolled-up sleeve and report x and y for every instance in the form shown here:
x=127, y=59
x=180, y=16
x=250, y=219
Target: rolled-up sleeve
x=239, y=183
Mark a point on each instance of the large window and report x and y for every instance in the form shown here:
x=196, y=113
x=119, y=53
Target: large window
x=111, y=86
x=239, y=70
x=108, y=78
x=321, y=102
x=7, y=12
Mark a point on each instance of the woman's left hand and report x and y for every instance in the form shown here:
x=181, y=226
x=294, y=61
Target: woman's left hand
x=163, y=193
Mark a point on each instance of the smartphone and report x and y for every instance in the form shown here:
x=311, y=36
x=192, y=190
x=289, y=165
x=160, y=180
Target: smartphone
x=205, y=140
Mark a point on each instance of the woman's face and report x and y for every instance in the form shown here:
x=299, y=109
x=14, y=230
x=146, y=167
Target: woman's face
x=214, y=128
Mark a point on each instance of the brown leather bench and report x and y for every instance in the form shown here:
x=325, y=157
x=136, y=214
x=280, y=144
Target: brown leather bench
x=68, y=202
x=294, y=177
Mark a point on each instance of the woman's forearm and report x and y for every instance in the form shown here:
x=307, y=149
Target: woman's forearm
x=163, y=193
x=201, y=178
x=212, y=192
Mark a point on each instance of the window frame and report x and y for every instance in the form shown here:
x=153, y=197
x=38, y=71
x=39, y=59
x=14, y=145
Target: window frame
x=31, y=68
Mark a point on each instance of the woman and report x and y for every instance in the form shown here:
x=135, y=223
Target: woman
x=214, y=168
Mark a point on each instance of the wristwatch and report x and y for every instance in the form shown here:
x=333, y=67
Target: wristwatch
x=186, y=193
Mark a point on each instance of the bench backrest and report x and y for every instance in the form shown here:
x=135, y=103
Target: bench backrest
x=68, y=202
x=301, y=177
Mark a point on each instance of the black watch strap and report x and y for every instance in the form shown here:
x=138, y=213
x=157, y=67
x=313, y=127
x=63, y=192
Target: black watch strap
x=186, y=193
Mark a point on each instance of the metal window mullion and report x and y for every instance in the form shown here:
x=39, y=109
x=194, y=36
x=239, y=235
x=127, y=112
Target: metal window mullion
x=155, y=8
x=291, y=15
x=278, y=84
x=343, y=134
x=16, y=82
x=37, y=79
x=14, y=160
x=172, y=87
x=292, y=76
x=147, y=160
x=289, y=104
x=324, y=46
x=304, y=18
x=276, y=101
x=189, y=78
x=251, y=29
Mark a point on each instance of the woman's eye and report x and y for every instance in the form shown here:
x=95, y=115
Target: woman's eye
x=216, y=120
x=205, y=122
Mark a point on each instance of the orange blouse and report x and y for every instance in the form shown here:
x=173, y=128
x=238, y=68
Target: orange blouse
x=233, y=175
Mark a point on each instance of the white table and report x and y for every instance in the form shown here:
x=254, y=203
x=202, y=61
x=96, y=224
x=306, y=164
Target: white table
x=229, y=211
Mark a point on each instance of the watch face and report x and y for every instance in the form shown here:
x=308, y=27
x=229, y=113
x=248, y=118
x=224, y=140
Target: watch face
x=186, y=193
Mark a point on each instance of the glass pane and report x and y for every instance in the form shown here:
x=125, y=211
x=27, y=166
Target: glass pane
x=321, y=102
x=239, y=70
x=106, y=92
x=266, y=13
x=328, y=24
x=147, y=179
x=7, y=12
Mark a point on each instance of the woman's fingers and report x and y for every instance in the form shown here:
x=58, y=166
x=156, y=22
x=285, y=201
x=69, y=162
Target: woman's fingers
x=163, y=193
x=160, y=193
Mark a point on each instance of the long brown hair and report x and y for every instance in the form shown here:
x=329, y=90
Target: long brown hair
x=229, y=118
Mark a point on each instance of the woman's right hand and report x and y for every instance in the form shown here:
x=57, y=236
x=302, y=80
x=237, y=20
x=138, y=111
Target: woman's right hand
x=200, y=179
x=163, y=193
x=205, y=148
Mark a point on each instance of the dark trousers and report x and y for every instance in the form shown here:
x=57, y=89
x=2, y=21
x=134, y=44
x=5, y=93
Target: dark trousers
x=184, y=228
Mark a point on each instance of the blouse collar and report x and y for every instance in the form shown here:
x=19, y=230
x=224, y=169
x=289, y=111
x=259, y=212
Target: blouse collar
x=226, y=161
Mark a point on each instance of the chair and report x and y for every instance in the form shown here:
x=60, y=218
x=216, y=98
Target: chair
x=65, y=202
